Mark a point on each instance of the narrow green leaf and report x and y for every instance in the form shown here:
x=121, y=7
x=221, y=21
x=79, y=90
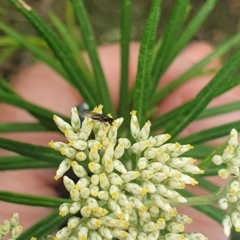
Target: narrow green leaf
x=7, y=53
x=184, y=38
x=208, y=160
x=21, y=127
x=71, y=44
x=126, y=6
x=37, y=51
x=208, y=185
x=204, y=96
x=199, y=151
x=31, y=200
x=44, y=227
x=196, y=69
x=21, y=162
x=142, y=85
x=89, y=41
x=212, y=171
x=60, y=50
x=169, y=38
x=210, y=134
x=4, y=85
x=42, y=114
x=209, y=112
x=160, y=122
x=29, y=150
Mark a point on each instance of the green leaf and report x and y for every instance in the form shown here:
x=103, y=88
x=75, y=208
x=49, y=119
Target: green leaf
x=184, y=38
x=196, y=69
x=44, y=227
x=169, y=116
x=126, y=6
x=204, y=97
x=29, y=150
x=42, y=114
x=31, y=200
x=169, y=38
x=231, y=107
x=37, y=51
x=209, y=134
x=71, y=44
x=7, y=53
x=61, y=52
x=21, y=127
x=21, y=162
x=143, y=79
x=89, y=41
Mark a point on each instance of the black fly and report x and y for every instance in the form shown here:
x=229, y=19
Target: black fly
x=99, y=117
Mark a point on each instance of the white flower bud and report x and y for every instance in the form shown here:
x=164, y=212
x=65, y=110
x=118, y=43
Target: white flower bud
x=64, y=209
x=75, y=195
x=197, y=236
x=160, y=139
x=223, y=173
x=95, y=167
x=134, y=125
x=146, y=174
x=154, y=167
x=62, y=125
x=151, y=153
x=94, y=155
x=144, y=133
x=149, y=186
x=119, y=150
x=57, y=145
x=94, y=235
x=78, y=144
x=103, y=195
x=74, y=207
x=69, y=152
x=78, y=170
x=142, y=163
x=75, y=120
x=150, y=226
x=223, y=203
x=73, y=222
x=94, y=223
x=115, y=179
x=217, y=159
x=85, y=193
x=83, y=232
x=175, y=227
x=81, y=156
x=68, y=183
x=104, y=182
x=63, y=233
x=139, y=146
x=126, y=142
x=63, y=167
x=119, y=166
x=233, y=138
x=130, y=175
x=16, y=231
x=105, y=232
x=114, y=192
x=5, y=227
x=14, y=221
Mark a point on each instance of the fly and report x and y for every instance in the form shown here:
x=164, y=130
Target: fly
x=99, y=117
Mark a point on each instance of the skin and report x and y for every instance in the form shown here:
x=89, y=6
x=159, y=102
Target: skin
x=38, y=84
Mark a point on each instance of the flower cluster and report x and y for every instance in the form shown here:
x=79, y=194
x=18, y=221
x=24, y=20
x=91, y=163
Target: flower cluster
x=231, y=192
x=11, y=227
x=124, y=189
